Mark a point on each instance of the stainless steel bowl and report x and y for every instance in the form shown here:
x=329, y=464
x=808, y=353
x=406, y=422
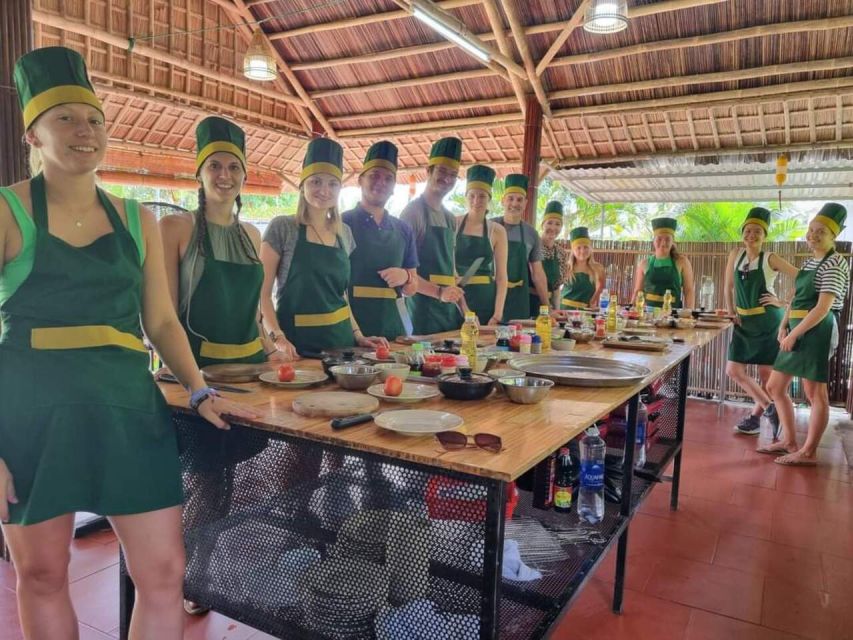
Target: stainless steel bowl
x=526, y=390
x=355, y=377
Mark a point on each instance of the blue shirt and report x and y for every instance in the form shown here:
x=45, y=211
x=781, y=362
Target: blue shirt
x=362, y=221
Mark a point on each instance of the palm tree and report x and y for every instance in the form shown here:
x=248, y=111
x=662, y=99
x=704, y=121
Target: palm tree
x=722, y=221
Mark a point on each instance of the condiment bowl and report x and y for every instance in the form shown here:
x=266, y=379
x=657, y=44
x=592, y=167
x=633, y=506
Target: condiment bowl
x=354, y=377
x=527, y=390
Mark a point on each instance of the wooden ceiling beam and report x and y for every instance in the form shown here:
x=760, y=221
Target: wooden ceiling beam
x=499, y=33
x=839, y=117
x=447, y=125
x=574, y=22
x=407, y=82
x=523, y=47
x=692, y=126
x=456, y=106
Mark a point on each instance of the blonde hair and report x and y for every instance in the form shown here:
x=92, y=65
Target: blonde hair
x=570, y=263
x=333, y=216
x=35, y=161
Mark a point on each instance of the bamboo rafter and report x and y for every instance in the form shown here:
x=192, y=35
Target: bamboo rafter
x=573, y=23
x=524, y=49
x=496, y=22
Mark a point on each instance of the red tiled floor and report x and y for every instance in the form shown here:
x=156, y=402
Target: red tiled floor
x=755, y=552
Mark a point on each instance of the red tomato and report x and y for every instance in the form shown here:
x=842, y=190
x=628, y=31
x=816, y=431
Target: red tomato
x=383, y=353
x=393, y=386
x=286, y=373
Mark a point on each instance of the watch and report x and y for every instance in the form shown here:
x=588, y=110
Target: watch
x=200, y=396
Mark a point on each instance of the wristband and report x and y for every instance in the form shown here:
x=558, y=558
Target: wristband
x=199, y=396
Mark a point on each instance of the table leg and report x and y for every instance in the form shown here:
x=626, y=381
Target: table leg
x=724, y=338
x=493, y=560
x=683, y=373
x=625, y=507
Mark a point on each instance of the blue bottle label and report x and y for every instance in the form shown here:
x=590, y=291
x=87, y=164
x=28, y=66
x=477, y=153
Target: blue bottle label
x=641, y=432
x=592, y=475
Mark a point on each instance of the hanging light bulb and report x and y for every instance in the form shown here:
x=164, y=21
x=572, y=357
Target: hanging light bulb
x=781, y=174
x=258, y=62
x=606, y=16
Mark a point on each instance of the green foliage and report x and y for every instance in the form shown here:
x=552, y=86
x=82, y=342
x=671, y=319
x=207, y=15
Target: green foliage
x=721, y=221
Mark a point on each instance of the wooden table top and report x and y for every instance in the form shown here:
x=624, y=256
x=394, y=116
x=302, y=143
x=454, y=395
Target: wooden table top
x=529, y=432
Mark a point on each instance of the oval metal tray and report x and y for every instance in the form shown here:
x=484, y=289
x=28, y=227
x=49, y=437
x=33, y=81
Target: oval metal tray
x=581, y=371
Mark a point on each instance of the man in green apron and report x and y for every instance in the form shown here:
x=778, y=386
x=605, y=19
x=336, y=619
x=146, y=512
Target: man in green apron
x=485, y=292
x=384, y=262
x=434, y=308
x=808, y=337
x=553, y=255
x=524, y=253
x=585, y=276
x=665, y=270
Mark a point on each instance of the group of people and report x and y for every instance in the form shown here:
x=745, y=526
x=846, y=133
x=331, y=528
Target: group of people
x=82, y=274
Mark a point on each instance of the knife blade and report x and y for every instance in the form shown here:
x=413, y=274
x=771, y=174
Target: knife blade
x=403, y=311
x=470, y=272
x=168, y=377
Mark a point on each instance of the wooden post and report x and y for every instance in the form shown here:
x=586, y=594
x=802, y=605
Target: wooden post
x=530, y=159
x=16, y=27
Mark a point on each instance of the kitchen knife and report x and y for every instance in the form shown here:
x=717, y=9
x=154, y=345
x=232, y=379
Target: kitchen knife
x=470, y=272
x=403, y=310
x=350, y=421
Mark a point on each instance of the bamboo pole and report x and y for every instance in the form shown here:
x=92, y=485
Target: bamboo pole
x=399, y=84
x=448, y=125
x=524, y=49
x=498, y=31
x=410, y=111
x=571, y=25
x=830, y=64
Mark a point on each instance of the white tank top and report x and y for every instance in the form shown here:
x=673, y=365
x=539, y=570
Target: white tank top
x=769, y=274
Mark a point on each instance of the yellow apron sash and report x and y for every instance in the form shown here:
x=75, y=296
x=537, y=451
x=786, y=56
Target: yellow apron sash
x=373, y=292
x=574, y=303
x=217, y=351
x=480, y=280
x=513, y=285
x=798, y=314
x=444, y=281
x=321, y=319
x=84, y=337
x=752, y=311
x=655, y=297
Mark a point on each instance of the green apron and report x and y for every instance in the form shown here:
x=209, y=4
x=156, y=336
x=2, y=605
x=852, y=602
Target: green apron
x=754, y=341
x=661, y=274
x=431, y=315
x=83, y=426
x=311, y=308
x=812, y=351
x=223, y=309
x=480, y=292
x=578, y=292
x=517, y=305
x=551, y=266
x=373, y=302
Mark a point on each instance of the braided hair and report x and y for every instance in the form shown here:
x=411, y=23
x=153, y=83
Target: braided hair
x=201, y=222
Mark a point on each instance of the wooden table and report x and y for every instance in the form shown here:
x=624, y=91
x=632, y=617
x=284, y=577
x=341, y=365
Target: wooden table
x=255, y=484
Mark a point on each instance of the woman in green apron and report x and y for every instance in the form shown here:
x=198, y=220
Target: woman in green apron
x=477, y=237
x=751, y=299
x=808, y=337
x=584, y=275
x=665, y=270
x=84, y=427
x=384, y=262
x=553, y=255
x=212, y=261
x=307, y=258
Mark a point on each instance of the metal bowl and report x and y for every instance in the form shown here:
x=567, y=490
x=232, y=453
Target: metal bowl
x=354, y=377
x=526, y=390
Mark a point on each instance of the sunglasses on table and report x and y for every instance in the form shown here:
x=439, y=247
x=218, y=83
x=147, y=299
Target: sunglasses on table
x=453, y=441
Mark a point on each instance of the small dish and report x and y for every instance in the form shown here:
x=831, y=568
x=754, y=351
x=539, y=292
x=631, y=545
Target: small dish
x=392, y=369
x=410, y=394
x=372, y=357
x=418, y=422
x=304, y=378
x=562, y=344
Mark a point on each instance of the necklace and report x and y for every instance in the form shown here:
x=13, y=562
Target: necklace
x=317, y=233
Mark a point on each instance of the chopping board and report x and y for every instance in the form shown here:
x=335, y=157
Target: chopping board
x=333, y=404
x=235, y=372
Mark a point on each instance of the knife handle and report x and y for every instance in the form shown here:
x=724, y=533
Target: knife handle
x=350, y=421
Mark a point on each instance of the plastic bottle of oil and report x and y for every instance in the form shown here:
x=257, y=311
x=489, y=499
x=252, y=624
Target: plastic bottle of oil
x=610, y=324
x=543, y=328
x=667, y=304
x=470, y=332
x=640, y=303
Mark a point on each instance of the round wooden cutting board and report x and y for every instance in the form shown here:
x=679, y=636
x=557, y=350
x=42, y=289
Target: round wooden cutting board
x=333, y=404
x=236, y=372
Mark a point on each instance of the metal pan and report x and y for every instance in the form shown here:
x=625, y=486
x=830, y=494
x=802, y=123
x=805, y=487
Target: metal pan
x=581, y=371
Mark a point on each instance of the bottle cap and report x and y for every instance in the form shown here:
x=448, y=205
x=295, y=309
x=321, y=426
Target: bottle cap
x=543, y=309
x=535, y=339
x=417, y=347
x=526, y=339
x=592, y=431
x=469, y=315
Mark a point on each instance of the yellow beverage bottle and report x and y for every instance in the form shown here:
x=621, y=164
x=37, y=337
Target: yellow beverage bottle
x=543, y=328
x=610, y=324
x=470, y=332
x=667, y=303
x=640, y=303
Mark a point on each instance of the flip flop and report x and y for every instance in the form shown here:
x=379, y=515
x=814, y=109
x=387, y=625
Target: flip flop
x=796, y=463
x=773, y=450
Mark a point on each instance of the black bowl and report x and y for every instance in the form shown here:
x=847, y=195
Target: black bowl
x=346, y=357
x=465, y=385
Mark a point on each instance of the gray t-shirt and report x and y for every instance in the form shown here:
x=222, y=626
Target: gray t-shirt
x=413, y=213
x=531, y=238
x=282, y=234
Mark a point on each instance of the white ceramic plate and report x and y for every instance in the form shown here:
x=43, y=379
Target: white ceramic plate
x=418, y=422
x=371, y=355
x=304, y=378
x=411, y=393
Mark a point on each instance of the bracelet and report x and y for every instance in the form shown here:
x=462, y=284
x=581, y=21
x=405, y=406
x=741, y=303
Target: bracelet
x=199, y=396
x=267, y=354
x=440, y=291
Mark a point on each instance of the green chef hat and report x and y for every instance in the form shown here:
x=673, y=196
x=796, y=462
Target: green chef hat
x=832, y=216
x=516, y=183
x=664, y=225
x=554, y=209
x=214, y=134
x=381, y=154
x=447, y=151
x=480, y=176
x=579, y=235
x=49, y=77
x=323, y=156
x=759, y=216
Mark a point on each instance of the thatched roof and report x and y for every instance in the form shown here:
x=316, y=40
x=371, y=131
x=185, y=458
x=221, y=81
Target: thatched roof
x=718, y=77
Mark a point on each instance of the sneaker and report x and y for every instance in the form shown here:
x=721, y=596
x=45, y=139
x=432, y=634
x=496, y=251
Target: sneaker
x=749, y=426
x=773, y=417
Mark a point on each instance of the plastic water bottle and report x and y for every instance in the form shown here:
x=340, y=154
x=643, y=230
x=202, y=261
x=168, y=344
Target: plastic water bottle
x=640, y=442
x=591, y=493
x=604, y=301
x=706, y=293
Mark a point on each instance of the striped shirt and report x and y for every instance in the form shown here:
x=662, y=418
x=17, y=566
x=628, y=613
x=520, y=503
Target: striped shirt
x=833, y=276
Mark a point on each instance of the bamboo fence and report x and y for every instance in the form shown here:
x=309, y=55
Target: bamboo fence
x=709, y=258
